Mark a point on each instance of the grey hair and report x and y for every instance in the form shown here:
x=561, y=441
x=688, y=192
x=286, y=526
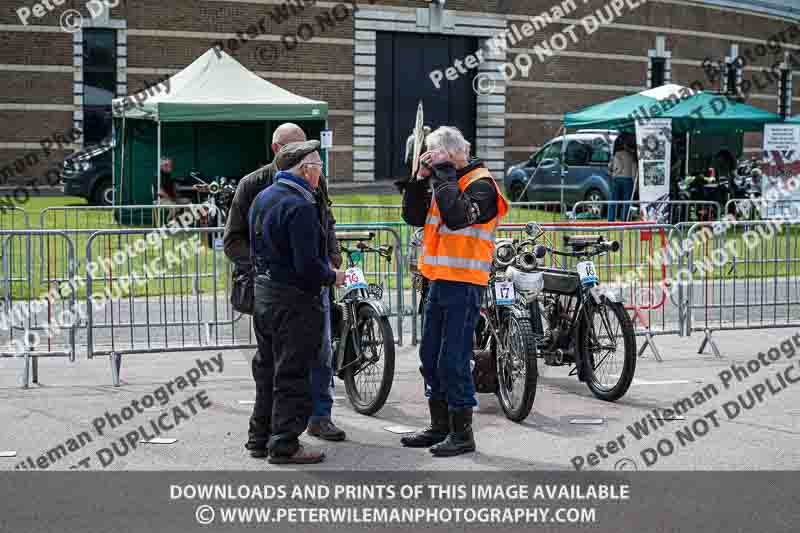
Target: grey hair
x=295, y=170
x=449, y=139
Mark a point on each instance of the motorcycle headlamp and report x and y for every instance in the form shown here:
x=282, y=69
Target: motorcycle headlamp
x=504, y=253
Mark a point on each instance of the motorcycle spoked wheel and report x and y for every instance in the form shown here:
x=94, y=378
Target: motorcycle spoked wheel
x=367, y=383
x=517, y=370
x=598, y=324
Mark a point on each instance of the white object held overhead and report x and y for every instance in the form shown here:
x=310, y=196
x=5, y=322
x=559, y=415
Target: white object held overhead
x=419, y=138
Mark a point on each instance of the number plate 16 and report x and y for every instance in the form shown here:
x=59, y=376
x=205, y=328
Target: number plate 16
x=354, y=279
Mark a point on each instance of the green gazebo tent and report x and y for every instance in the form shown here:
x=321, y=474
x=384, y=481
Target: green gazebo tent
x=214, y=116
x=690, y=111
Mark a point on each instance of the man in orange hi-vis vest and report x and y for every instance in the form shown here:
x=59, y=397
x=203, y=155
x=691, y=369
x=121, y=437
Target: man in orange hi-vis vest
x=460, y=205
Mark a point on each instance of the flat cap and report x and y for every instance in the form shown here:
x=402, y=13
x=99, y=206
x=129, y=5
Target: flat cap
x=291, y=154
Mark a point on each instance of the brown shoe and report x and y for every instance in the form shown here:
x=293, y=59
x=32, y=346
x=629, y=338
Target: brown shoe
x=300, y=457
x=325, y=429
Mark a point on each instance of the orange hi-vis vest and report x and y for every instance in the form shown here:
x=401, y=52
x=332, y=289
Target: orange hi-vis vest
x=463, y=255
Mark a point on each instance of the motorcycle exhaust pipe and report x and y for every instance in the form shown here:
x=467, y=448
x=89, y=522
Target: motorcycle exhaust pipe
x=526, y=262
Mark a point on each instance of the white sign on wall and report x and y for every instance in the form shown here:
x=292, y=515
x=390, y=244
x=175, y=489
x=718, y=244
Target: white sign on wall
x=326, y=138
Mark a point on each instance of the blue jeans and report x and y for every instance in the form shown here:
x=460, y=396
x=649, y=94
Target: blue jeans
x=451, y=313
x=322, y=372
x=621, y=190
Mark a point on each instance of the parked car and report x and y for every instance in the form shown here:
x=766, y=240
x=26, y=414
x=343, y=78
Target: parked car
x=587, y=178
x=88, y=174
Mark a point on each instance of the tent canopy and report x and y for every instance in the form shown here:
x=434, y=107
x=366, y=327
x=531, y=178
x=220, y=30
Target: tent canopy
x=690, y=110
x=217, y=88
x=794, y=120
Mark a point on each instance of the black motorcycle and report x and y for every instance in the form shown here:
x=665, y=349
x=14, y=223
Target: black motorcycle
x=362, y=338
x=216, y=193
x=576, y=320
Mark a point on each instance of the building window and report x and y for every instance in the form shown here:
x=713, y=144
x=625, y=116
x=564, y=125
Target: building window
x=658, y=71
x=99, y=82
x=732, y=75
x=785, y=93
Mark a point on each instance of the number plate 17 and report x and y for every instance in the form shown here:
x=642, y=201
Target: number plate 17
x=504, y=293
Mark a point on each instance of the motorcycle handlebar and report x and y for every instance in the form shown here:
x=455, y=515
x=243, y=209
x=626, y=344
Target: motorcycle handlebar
x=599, y=248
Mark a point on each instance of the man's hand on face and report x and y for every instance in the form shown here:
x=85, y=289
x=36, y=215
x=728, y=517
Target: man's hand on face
x=339, y=278
x=433, y=157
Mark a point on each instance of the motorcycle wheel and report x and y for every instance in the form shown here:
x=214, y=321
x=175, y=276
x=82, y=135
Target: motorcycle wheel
x=600, y=323
x=368, y=382
x=517, y=370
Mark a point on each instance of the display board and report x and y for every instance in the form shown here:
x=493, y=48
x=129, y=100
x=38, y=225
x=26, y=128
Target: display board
x=653, y=140
x=780, y=165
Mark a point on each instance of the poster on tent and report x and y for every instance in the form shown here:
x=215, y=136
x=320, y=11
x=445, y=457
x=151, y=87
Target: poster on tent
x=653, y=141
x=780, y=163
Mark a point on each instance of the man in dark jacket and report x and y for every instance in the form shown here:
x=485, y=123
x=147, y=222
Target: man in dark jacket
x=237, y=249
x=290, y=259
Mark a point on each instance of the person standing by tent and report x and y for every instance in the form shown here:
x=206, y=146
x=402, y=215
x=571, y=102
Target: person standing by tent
x=236, y=242
x=622, y=169
x=291, y=263
x=460, y=221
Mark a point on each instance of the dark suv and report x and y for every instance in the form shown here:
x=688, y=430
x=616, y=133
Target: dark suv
x=587, y=178
x=88, y=174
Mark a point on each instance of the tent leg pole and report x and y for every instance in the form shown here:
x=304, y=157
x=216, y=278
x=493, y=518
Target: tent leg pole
x=688, y=149
x=158, y=172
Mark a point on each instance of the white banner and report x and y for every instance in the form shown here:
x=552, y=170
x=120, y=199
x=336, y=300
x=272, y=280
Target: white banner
x=653, y=140
x=780, y=162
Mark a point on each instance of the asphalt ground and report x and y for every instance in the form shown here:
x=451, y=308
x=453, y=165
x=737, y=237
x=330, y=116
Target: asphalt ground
x=566, y=422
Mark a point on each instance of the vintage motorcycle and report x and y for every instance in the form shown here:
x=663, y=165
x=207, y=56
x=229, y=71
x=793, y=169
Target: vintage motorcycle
x=576, y=320
x=504, y=349
x=362, y=338
x=216, y=193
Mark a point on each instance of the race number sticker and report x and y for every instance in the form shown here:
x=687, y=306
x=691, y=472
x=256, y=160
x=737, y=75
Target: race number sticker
x=354, y=279
x=587, y=272
x=504, y=292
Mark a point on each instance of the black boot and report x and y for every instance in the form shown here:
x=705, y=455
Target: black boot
x=460, y=439
x=434, y=433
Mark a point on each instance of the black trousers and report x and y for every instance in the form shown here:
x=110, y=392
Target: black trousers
x=288, y=325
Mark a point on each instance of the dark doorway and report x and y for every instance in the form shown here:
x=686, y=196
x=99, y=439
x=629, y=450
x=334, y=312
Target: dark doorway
x=99, y=83
x=404, y=63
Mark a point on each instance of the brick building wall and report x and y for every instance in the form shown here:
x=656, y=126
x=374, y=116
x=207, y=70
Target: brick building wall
x=40, y=70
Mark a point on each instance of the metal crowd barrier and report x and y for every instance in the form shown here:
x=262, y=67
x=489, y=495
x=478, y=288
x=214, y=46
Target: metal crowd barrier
x=760, y=208
x=366, y=214
x=39, y=316
x=78, y=222
x=13, y=218
x=170, y=294
x=659, y=212
x=745, y=276
x=522, y=212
